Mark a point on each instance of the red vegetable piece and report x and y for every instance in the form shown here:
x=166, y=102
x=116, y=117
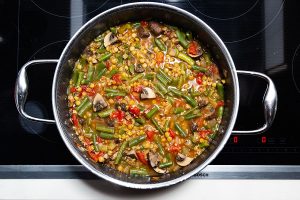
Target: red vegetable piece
x=150, y=135
x=135, y=111
x=75, y=120
x=141, y=156
x=172, y=133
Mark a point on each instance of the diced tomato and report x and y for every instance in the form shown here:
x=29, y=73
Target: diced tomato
x=220, y=103
x=95, y=156
x=174, y=148
x=144, y=23
x=118, y=98
x=159, y=57
x=172, y=133
x=178, y=103
x=72, y=89
x=135, y=111
x=199, y=78
x=118, y=114
x=193, y=48
x=137, y=88
x=107, y=64
x=204, y=133
x=141, y=156
x=99, y=140
x=87, y=141
x=150, y=135
x=75, y=120
x=200, y=121
x=117, y=78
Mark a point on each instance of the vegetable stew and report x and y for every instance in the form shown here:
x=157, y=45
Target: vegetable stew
x=145, y=98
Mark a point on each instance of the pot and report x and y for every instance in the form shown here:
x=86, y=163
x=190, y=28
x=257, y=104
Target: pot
x=135, y=12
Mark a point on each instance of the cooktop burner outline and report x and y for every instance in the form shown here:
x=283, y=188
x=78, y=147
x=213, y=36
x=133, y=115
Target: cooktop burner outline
x=225, y=18
x=75, y=16
x=295, y=56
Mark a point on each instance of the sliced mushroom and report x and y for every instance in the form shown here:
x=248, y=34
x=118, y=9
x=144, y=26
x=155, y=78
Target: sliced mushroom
x=154, y=161
x=131, y=154
x=99, y=103
x=155, y=28
x=139, y=68
x=109, y=39
x=209, y=112
x=202, y=102
x=194, y=50
x=147, y=93
x=142, y=32
x=183, y=160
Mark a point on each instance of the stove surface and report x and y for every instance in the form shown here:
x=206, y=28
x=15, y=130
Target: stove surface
x=261, y=35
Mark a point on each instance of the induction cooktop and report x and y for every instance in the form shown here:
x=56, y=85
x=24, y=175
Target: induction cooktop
x=261, y=35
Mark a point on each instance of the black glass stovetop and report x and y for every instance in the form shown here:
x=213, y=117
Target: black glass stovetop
x=261, y=35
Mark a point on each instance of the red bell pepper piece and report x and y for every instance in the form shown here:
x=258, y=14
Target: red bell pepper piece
x=172, y=133
x=75, y=120
x=141, y=156
x=150, y=135
x=117, y=78
x=135, y=111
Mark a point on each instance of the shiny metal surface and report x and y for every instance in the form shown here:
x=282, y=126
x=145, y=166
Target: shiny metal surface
x=128, y=12
x=270, y=100
x=21, y=89
x=278, y=172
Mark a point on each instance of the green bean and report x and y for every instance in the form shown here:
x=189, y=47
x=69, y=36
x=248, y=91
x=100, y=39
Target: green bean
x=170, y=100
x=136, y=25
x=152, y=112
x=192, y=116
x=104, y=57
x=149, y=76
x=85, y=108
x=115, y=94
x=100, y=70
x=166, y=76
x=142, y=108
x=120, y=152
x=112, y=72
x=82, y=61
x=158, y=91
x=113, y=29
x=220, y=111
x=80, y=77
x=190, y=100
x=107, y=136
x=186, y=58
x=141, y=121
x=180, y=82
x=195, y=94
x=137, y=140
x=161, y=150
x=160, y=44
x=175, y=91
x=109, y=90
x=161, y=88
x=131, y=69
x=94, y=137
x=220, y=89
x=84, y=101
x=101, y=50
x=181, y=38
x=162, y=79
x=106, y=112
x=199, y=68
x=138, y=172
x=178, y=110
x=180, y=130
x=136, y=78
x=190, y=111
x=165, y=164
x=105, y=129
x=167, y=124
x=90, y=73
x=75, y=77
x=189, y=35
x=157, y=126
x=207, y=58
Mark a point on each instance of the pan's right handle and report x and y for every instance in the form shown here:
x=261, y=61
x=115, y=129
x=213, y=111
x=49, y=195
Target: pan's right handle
x=269, y=102
x=21, y=90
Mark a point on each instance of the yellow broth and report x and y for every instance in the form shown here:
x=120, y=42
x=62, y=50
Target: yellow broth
x=145, y=98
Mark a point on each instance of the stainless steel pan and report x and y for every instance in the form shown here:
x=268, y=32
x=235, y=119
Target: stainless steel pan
x=134, y=12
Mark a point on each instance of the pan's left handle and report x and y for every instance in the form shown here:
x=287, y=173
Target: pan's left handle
x=21, y=90
x=269, y=102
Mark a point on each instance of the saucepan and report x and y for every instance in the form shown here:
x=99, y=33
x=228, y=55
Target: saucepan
x=136, y=12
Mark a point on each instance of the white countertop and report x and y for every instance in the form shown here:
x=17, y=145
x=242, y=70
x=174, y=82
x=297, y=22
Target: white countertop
x=191, y=189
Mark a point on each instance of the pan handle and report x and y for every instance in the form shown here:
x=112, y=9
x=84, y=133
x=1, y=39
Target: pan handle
x=21, y=90
x=269, y=102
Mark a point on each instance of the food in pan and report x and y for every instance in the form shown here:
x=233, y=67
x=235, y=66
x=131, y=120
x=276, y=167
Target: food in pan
x=145, y=98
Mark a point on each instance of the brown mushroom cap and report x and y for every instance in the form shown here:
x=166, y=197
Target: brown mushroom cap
x=154, y=161
x=148, y=93
x=109, y=39
x=183, y=160
x=99, y=103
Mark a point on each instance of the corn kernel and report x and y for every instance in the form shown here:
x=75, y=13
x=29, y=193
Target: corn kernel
x=79, y=89
x=76, y=98
x=169, y=139
x=130, y=126
x=84, y=94
x=77, y=103
x=120, y=168
x=167, y=134
x=101, y=159
x=131, y=102
x=111, y=101
x=92, y=85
